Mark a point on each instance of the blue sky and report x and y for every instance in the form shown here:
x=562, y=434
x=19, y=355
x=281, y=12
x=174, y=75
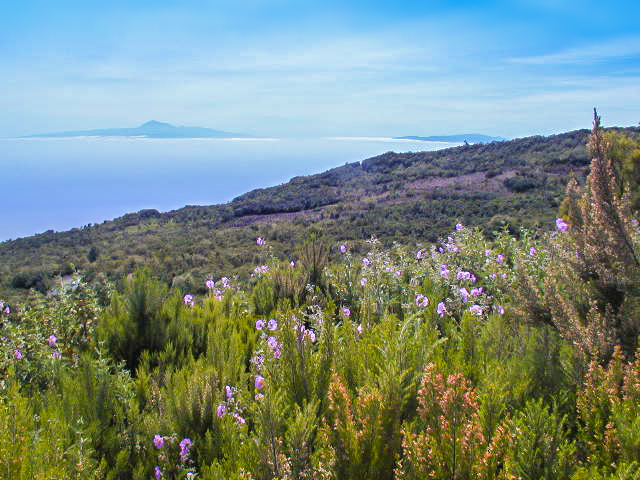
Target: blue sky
x=319, y=68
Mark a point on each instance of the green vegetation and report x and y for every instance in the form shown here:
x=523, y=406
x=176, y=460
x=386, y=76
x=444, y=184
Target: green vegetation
x=403, y=197
x=479, y=357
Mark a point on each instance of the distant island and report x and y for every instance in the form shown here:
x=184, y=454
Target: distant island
x=468, y=137
x=152, y=129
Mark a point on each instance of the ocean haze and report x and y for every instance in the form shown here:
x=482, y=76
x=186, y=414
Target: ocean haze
x=62, y=183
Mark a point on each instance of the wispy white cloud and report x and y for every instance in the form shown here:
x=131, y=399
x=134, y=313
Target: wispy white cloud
x=627, y=47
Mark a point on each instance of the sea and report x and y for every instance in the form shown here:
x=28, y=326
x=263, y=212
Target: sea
x=62, y=183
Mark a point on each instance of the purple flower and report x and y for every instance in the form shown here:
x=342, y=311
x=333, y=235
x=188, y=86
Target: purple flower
x=260, y=241
x=292, y=264
x=7, y=310
x=239, y=420
x=277, y=353
x=465, y=294
x=185, y=446
x=260, y=324
x=475, y=309
x=18, y=353
x=272, y=342
x=459, y=226
x=228, y=392
x=158, y=441
x=188, y=300
x=464, y=275
x=487, y=252
x=52, y=340
x=260, y=269
x=158, y=472
x=56, y=355
x=259, y=396
x=562, y=225
x=421, y=300
x=500, y=309
x=500, y=259
x=441, y=250
x=312, y=335
x=476, y=292
x=343, y=248
x=493, y=276
x=366, y=261
x=444, y=271
x=225, y=282
x=272, y=325
x=359, y=328
x=346, y=311
x=420, y=254
x=442, y=309
x=363, y=281
x=210, y=284
x=259, y=382
x=221, y=410
x=533, y=251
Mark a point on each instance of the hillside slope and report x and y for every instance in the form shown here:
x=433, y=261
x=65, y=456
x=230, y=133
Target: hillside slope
x=407, y=197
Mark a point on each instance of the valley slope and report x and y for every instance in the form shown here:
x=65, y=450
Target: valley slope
x=408, y=197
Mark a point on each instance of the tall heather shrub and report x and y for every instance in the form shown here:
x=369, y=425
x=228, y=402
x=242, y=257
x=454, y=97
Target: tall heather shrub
x=588, y=286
